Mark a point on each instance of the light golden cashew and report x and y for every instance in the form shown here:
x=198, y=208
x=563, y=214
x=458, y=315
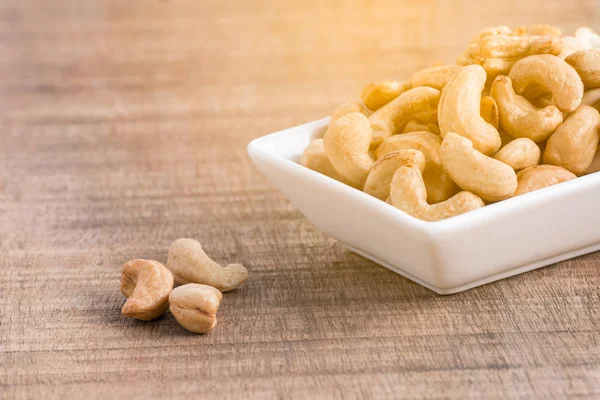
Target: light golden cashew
x=489, y=111
x=314, y=157
x=537, y=30
x=348, y=108
x=438, y=183
x=519, y=117
x=416, y=126
x=146, y=284
x=506, y=47
x=195, y=306
x=416, y=104
x=534, y=76
x=347, y=147
x=436, y=77
x=539, y=177
x=574, y=143
x=189, y=264
x=592, y=98
x=520, y=153
x=460, y=106
x=468, y=56
x=380, y=177
x=490, y=179
x=376, y=95
x=587, y=65
x=408, y=193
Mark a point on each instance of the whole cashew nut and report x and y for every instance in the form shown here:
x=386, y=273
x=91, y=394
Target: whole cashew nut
x=533, y=76
x=189, y=264
x=436, y=77
x=574, y=143
x=348, y=108
x=541, y=176
x=505, y=46
x=146, y=284
x=418, y=103
x=490, y=179
x=376, y=95
x=519, y=117
x=314, y=157
x=347, y=144
x=195, y=306
x=587, y=65
x=520, y=153
x=489, y=111
x=459, y=110
x=380, y=177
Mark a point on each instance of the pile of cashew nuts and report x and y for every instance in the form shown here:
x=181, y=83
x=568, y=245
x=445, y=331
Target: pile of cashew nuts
x=517, y=113
x=148, y=286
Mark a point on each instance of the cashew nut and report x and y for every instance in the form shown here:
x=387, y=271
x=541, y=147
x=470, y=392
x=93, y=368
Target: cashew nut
x=533, y=76
x=347, y=146
x=507, y=47
x=376, y=95
x=408, y=194
x=189, y=264
x=418, y=103
x=348, y=108
x=490, y=179
x=519, y=117
x=146, y=284
x=587, y=65
x=459, y=110
x=539, y=177
x=314, y=157
x=592, y=98
x=537, y=30
x=436, y=77
x=520, y=153
x=489, y=111
x=380, y=177
x=416, y=126
x=574, y=143
x=195, y=306
x=438, y=183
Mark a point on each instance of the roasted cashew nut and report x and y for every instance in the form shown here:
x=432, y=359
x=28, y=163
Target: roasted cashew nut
x=574, y=143
x=315, y=158
x=380, y=177
x=436, y=77
x=195, y=306
x=587, y=65
x=541, y=176
x=519, y=117
x=490, y=179
x=348, y=108
x=534, y=76
x=347, y=144
x=376, y=95
x=416, y=104
x=189, y=264
x=520, y=153
x=460, y=107
x=146, y=284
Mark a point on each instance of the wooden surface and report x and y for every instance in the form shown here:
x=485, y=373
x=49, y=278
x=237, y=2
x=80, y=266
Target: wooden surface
x=123, y=126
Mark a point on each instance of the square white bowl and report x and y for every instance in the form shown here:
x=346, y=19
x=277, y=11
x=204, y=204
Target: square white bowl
x=495, y=242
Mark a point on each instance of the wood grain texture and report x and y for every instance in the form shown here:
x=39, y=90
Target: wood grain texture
x=123, y=126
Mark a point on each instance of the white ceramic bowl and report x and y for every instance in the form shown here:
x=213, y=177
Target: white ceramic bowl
x=500, y=240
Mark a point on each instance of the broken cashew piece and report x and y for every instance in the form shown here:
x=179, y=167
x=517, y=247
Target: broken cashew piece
x=574, y=143
x=534, y=76
x=314, y=157
x=376, y=95
x=490, y=179
x=519, y=117
x=408, y=193
x=380, y=177
x=587, y=65
x=489, y=111
x=436, y=77
x=541, y=176
x=195, y=306
x=519, y=154
x=348, y=108
x=146, y=284
x=347, y=144
x=189, y=264
x=459, y=110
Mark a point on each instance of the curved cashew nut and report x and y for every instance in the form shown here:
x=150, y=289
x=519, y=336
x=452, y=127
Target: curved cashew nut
x=519, y=117
x=489, y=111
x=438, y=183
x=314, y=157
x=376, y=95
x=537, y=30
x=146, y=284
x=380, y=177
x=418, y=103
x=592, y=98
x=436, y=77
x=189, y=264
x=348, y=108
x=541, y=176
x=533, y=76
x=490, y=179
x=459, y=110
x=574, y=143
x=408, y=194
x=347, y=147
x=195, y=306
x=587, y=65
x=520, y=153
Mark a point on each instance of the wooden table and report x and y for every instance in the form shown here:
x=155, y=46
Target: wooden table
x=124, y=126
